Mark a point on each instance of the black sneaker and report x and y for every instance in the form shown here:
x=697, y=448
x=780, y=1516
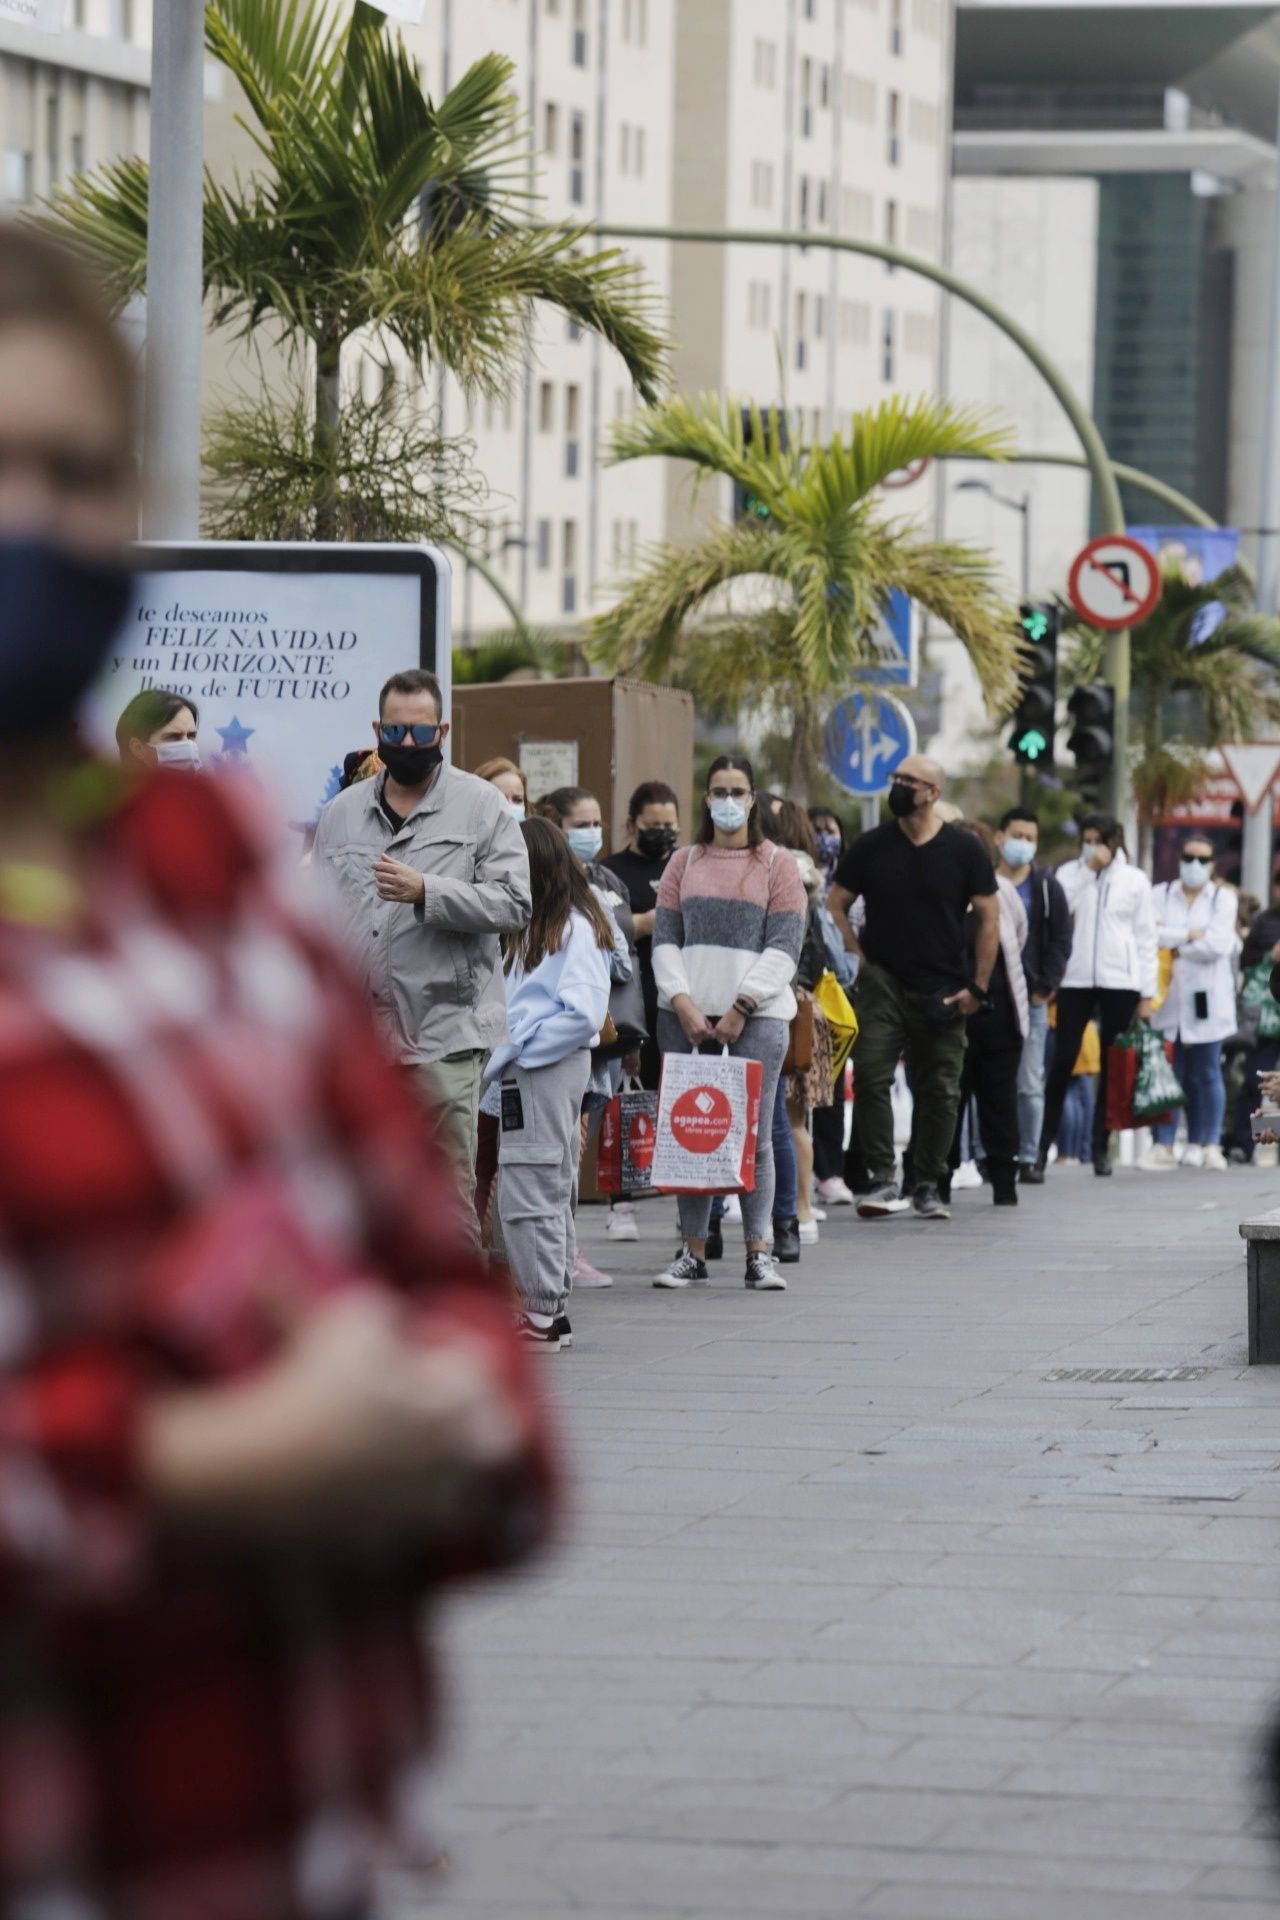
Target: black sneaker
x=928, y=1204
x=715, y=1239
x=882, y=1201
x=1102, y=1166
x=763, y=1276
x=786, y=1241
x=1031, y=1173
x=561, y=1326
x=686, y=1270
x=542, y=1333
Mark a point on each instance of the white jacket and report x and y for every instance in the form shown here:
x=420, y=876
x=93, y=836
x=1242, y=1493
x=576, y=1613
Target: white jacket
x=1206, y=965
x=1113, y=940
x=1013, y=938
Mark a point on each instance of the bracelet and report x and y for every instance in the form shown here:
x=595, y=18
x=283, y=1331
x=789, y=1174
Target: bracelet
x=745, y=1007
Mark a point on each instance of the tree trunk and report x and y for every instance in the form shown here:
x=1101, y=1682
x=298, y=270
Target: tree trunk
x=1145, y=834
x=328, y=420
x=800, y=771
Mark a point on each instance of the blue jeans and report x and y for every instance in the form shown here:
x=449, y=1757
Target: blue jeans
x=1199, y=1070
x=1075, y=1129
x=1031, y=1086
x=784, y=1158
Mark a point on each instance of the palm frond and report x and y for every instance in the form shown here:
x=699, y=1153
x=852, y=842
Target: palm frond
x=899, y=431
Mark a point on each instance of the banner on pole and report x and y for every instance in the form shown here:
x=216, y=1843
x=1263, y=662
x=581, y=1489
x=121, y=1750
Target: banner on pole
x=410, y=11
x=48, y=15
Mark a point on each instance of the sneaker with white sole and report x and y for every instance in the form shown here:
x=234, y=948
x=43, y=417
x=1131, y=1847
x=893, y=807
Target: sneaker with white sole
x=966, y=1175
x=808, y=1233
x=817, y=1213
x=836, y=1193
x=1158, y=1160
x=928, y=1203
x=882, y=1201
x=1193, y=1156
x=686, y=1270
x=762, y=1275
x=621, y=1224
x=1215, y=1160
x=546, y=1331
x=589, y=1279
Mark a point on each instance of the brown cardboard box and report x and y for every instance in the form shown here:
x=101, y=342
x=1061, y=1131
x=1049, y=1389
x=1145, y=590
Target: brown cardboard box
x=616, y=732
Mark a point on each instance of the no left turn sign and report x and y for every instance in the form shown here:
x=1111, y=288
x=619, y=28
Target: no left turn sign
x=1114, y=581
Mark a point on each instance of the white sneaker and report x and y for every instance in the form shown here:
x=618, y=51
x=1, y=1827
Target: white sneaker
x=808, y=1233
x=1193, y=1156
x=817, y=1213
x=1158, y=1160
x=965, y=1175
x=621, y=1224
x=587, y=1278
x=1215, y=1160
x=686, y=1270
x=835, y=1193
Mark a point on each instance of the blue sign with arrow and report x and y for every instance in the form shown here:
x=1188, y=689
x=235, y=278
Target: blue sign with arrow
x=865, y=739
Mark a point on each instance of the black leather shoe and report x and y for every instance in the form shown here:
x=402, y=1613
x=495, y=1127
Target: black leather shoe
x=1031, y=1175
x=786, y=1242
x=715, y=1241
x=1102, y=1167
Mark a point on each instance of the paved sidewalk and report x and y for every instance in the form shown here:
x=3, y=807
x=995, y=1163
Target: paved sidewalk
x=863, y=1612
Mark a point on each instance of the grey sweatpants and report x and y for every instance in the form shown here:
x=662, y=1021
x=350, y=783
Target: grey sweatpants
x=537, y=1177
x=765, y=1041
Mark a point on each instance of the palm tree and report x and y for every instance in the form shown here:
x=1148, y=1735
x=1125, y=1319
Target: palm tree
x=373, y=208
x=823, y=554
x=1203, y=669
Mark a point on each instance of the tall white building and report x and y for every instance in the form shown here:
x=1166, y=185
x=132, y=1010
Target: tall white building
x=73, y=99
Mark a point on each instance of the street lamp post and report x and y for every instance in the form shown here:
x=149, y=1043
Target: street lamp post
x=175, y=274
x=1022, y=506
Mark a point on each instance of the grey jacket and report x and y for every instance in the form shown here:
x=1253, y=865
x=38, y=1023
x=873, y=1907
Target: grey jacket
x=434, y=969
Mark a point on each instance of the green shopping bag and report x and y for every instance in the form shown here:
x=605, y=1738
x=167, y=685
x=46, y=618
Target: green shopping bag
x=1256, y=992
x=1156, y=1092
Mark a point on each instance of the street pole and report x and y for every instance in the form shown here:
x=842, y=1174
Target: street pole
x=1256, y=842
x=1269, y=516
x=1092, y=446
x=1026, y=546
x=175, y=301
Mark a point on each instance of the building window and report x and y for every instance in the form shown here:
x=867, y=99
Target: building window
x=569, y=566
x=572, y=428
x=19, y=175
x=822, y=203
x=803, y=201
x=891, y=228
x=635, y=22
x=77, y=15
x=121, y=19
x=542, y=537
x=546, y=407
x=806, y=98
x=926, y=17
x=551, y=128
x=639, y=153
x=888, y=335
x=761, y=184
x=810, y=9
x=802, y=330
x=579, y=33
x=553, y=7
x=819, y=317
x=53, y=136
x=77, y=153
x=624, y=147
x=577, y=155
x=764, y=65
x=760, y=305
x=855, y=323
x=895, y=26
x=894, y=128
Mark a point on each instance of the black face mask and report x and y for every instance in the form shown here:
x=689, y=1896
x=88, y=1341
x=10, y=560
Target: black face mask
x=58, y=617
x=410, y=766
x=655, y=843
x=902, y=799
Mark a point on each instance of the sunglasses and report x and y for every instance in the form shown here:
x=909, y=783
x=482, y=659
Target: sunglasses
x=728, y=793
x=393, y=734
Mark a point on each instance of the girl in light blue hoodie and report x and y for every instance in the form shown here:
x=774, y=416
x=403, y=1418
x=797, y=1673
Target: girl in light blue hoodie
x=557, y=972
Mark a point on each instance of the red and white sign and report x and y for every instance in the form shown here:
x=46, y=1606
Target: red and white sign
x=708, y=1124
x=1114, y=582
x=1253, y=768
x=908, y=475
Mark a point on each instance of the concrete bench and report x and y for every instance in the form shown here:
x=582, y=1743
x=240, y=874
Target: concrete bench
x=1261, y=1236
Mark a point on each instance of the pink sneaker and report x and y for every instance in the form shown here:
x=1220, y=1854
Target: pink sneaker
x=588, y=1277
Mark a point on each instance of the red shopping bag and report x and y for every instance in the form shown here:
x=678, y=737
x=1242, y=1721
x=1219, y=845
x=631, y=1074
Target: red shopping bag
x=708, y=1124
x=1122, y=1074
x=628, y=1129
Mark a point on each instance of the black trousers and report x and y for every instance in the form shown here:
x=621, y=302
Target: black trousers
x=990, y=1079
x=1114, y=1008
x=828, y=1138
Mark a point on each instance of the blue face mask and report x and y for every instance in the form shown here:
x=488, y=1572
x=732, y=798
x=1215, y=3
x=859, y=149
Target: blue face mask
x=1019, y=853
x=58, y=617
x=1194, y=873
x=517, y=807
x=728, y=815
x=828, y=848
x=585, y=841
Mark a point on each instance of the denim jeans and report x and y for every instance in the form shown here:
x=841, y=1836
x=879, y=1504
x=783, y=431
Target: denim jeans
x=784, y=1158
x=1075, y=1129
x=1199, y=1070
x=1031, y=1085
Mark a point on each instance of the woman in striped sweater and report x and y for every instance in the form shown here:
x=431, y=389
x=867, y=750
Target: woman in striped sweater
x=726, y=943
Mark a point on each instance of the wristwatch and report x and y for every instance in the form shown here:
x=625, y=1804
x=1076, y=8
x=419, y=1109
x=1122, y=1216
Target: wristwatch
x=982, y=995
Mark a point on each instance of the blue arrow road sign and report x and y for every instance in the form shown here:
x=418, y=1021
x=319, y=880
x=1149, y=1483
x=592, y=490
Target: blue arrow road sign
x=865, y=738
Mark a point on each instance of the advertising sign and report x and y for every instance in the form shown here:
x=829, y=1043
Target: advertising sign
x=282, y=648
x=48, y=15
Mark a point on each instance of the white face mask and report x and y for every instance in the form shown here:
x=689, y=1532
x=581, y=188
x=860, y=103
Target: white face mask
x=728, y=815
x=182, y=754
x=517, y=807
x=1019, y=853
x=1194, y=874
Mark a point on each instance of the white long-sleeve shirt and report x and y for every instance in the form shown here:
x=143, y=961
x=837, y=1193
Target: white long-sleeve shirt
x=1113, y=941
x=558, y=1008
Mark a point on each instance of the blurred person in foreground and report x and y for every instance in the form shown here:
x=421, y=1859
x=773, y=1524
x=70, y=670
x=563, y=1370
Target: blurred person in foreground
x=256, y=1403
x=431, y=871
x=160, y=729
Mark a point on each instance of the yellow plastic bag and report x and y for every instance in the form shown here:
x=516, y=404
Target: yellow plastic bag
x=840, y=1017
x=1164, y=978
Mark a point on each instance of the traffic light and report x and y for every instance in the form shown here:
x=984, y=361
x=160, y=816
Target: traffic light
x=1092, y=741
x=772, y=422
x=1033, y=722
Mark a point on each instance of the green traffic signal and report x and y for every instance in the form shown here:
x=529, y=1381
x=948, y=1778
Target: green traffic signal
x=1032, y=744
x=1035, y=624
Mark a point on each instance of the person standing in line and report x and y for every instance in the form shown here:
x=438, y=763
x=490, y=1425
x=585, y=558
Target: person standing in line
x=1075, y=1129
x=1261, y=942
x=160, y=729
x=731, y=912
x=509, y=779
x=1044, y=961
x=917, y=876
x=431, y=871
x=1112, y=971
x=809, y=1089
x=995, y=1038
x=557, y=971
x=1196, y=924
x=653, y=833
x=833, y=1187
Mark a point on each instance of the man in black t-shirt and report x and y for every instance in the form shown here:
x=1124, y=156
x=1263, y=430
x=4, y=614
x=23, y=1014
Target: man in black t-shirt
x=917, y=879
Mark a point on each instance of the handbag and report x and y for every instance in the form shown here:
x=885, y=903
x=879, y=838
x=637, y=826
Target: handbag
x=799, y=1054
x=1255, y=993
x=626, y=1016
